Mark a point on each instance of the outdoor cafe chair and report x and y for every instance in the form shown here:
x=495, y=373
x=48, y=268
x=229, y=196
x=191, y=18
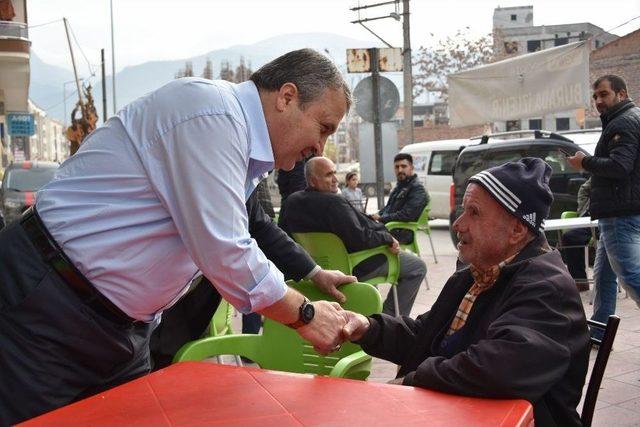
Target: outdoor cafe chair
x=281, y=348
x=422, y=224
x=605, y=345
x=329, y=252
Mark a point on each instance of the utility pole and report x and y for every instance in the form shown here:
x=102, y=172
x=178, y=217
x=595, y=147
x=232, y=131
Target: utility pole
x=113, y=62
x=377, y=126
x=407, y=75
x=73, y=63
x=104, y=88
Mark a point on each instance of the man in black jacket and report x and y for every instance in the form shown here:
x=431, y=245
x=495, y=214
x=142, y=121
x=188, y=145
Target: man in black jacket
x=320, y=209
x=407, y=200
x=615, y=195
x=188, y=318
x=511, y=324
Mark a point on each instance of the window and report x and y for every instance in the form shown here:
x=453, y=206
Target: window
x=513, y=125
x=535, y=124
x=562, y=123
x=533, y=45
x=514, y=17
x=442, y=162
x=559, y=41
x=419, y=163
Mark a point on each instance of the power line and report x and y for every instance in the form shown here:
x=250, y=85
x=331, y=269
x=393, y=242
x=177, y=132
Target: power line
x=46, y=23
x=82, y=51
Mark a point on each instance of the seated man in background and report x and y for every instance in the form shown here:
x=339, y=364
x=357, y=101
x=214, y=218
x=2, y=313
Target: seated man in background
x=574, y=256
x=406, y=201
x=321, y=209
x=511, y=324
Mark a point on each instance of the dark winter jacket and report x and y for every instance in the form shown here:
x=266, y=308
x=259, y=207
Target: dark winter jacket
x=526, y=338
x=406, y=202
x=615, y=165
x=314, y=211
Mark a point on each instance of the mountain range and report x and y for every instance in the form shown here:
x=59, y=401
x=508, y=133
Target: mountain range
x=47, y=81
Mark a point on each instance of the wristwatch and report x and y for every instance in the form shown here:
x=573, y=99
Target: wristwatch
x=307, y=311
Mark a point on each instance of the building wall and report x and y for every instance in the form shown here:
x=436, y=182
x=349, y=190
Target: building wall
x=620, y=57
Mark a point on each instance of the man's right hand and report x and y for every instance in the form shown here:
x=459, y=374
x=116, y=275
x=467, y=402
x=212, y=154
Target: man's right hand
x=394, y=247
x=356, y=325
x=326, y=329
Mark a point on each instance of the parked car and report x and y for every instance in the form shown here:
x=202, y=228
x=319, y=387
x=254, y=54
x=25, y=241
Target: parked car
x=433, y=162
x=553, y=148
x=20, y=183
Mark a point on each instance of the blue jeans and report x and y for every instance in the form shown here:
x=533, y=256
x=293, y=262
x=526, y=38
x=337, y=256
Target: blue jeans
x=617, y=256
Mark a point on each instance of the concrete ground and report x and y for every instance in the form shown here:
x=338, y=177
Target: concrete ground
x=619, y=398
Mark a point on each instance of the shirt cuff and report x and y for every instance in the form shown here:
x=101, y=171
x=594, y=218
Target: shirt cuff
x=313, y=272
x=270, y=290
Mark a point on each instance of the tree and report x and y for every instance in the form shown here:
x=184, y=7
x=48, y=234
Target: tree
x=448, y=56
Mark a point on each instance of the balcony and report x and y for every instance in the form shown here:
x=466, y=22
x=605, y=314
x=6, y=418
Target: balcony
x=13, y=30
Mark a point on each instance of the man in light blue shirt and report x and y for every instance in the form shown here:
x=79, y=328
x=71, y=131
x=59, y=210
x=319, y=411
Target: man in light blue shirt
x=154, y=196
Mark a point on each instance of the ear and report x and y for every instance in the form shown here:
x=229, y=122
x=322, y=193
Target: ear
x=622, y=94
x=287, y=93
x=519, y=232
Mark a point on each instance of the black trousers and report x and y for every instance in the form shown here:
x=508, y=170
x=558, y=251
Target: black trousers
x=574, y=257
x=185, y=321
x=54, y=349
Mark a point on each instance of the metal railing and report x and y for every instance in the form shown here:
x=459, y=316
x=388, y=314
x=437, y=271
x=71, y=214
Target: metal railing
x=9, y=29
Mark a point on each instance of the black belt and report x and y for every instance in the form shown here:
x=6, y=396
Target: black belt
x=56, y=258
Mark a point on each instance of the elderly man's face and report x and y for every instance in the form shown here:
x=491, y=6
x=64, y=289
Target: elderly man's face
x=605, y=97
x=301, y=132
x=324, y=176
x=484, y=229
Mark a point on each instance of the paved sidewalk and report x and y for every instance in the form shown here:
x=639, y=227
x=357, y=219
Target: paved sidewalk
x=619, y=397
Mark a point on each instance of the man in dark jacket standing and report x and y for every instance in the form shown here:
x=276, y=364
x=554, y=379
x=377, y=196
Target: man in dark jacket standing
x=615, y=195
x=511, y=324
x=406, y=201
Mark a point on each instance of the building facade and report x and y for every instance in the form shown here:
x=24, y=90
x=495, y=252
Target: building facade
x=515, y=34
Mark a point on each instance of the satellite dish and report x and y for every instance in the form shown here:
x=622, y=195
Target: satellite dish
x=389, y=99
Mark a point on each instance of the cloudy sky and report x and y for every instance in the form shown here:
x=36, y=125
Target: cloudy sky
x=147, y=30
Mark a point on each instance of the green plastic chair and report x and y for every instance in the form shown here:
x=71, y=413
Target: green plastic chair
x=422, y=224
x=221, y=321
x=281, y=348
x=330, y=253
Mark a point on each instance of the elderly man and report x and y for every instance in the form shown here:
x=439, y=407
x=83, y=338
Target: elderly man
x=321, y=209
x=615, y=195
x=154, y=196
x=406, y=201
x=511, y=325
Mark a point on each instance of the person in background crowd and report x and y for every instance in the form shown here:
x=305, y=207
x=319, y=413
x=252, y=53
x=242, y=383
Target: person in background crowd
x=615, y=196
x=406, y=201
x=352, y=193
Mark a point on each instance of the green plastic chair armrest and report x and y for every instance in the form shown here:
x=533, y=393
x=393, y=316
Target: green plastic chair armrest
x=348, y=366
x=242, y=345
x=413, y=226
x=394, y=263
x=569, y=214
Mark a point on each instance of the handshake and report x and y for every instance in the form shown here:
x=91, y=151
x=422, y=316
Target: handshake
x=332, y=325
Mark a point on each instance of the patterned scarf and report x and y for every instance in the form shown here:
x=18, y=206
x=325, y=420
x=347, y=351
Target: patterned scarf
x=483, y=280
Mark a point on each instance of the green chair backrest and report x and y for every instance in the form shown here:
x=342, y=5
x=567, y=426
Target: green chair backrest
x=326, y=249
x=423, y=220
x=281, y=348
x=330, y=253
x=569, y=214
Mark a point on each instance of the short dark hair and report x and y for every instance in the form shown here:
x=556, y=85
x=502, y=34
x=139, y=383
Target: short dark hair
x=350, y=175
x=309, y=70
x=403, y=156
x=617, y=83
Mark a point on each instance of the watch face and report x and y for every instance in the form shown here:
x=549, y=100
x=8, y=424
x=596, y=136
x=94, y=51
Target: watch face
x=307, y=313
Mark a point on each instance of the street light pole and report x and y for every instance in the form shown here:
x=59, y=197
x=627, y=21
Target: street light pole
x=407, y=75
x=113, y=62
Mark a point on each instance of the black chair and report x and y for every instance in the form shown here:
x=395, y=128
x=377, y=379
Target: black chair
x=605, y=345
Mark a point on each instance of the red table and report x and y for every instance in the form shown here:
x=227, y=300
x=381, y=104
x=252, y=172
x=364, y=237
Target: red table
x=198, y=393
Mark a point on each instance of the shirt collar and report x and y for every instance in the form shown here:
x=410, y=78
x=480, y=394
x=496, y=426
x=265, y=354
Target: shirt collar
x=259, y=141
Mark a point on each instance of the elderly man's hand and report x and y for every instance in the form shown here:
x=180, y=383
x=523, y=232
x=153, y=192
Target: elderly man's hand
x=356, y=325
x=397, y=381
x=328, y=281
x=325, y=330
x=576, y=160
x=394, y=247
x=375, y=217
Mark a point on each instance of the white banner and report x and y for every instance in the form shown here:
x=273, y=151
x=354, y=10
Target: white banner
x=527, y=86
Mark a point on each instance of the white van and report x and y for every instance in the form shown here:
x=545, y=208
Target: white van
x=433, y=162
